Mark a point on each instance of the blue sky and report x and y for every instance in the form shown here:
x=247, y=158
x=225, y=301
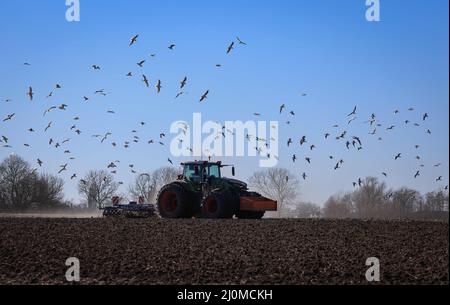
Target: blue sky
x=324, y=48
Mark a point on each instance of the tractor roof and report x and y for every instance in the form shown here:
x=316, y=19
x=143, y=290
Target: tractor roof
x=202, y=163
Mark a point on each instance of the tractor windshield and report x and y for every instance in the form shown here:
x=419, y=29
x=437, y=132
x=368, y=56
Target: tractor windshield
x=193, y=171
x=214, y=171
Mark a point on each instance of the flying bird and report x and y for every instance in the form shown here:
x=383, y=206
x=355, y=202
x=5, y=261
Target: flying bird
x=204, y=96
x=353, y=112
x=30, y=93
x=145, y=80
x=240, y=41
x=183, y=83
x=158, y=86
x=48, y=126
x=133, y=40
x=230, y=47
x=9, y=117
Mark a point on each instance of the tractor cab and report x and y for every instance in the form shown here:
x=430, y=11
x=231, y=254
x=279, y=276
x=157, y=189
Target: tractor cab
x=202, y=171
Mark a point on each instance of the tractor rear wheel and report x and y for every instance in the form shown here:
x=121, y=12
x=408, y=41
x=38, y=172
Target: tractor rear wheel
x=217, y=206
x=174, y=202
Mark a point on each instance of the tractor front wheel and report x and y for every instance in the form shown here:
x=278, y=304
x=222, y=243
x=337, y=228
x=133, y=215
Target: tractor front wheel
x=215, y=206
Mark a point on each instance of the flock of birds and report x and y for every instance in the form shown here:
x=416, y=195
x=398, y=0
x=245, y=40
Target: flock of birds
x=262, y=145
x=112, y=166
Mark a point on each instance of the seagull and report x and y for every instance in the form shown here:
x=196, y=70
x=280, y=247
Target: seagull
x=172, y=46
x=282, y=108
x=170, y=161
x=9, y=117
x=48, y=126
x=133, y=40
x=303, y=140
x=49, y=109
x=73, y=176
x=39, y=162
x=101, y=92
x=95, y=67
x=425, y=116
x=439, y=178
x=158, y=86
x=30, y=93
x=204, y=96
x=129, y=74
x=230, y=47
x=63, y=168
x=308, y=160
x=384, y=174
x=353, y=112
x=183, y=83
x=398, y=156
x=145, y=80
x=417, y=174
x=141, y=63
x=240, y=41
x=289, y=142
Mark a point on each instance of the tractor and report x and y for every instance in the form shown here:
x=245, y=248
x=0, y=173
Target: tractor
x=202, y=192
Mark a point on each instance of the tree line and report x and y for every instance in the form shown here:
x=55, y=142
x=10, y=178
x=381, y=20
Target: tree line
x=22, y=189
x=372, y=199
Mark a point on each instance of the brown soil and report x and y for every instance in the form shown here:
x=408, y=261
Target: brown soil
x=278, y=251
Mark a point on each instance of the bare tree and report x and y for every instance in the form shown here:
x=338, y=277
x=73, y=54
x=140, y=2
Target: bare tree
x=48, y=191
x=339, y=207
x=146, y=186
x=370, y=199
x=97, y=187
x=436, y=201
x=278, y=184
x=16, y=183
x=306, y=210
x=165, y=175
x=404, y=202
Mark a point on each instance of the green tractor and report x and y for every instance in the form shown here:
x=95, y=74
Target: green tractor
x=202, y=192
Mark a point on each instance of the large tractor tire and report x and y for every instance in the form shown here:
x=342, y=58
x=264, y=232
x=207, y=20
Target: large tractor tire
x=174, y=202
x=218, y=205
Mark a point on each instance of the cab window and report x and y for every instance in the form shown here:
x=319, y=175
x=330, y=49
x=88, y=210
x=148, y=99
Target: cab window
x=190, y=172
x=214, y=171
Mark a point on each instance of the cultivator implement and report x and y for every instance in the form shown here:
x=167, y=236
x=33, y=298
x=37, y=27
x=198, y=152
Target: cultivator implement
x=131, y=210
